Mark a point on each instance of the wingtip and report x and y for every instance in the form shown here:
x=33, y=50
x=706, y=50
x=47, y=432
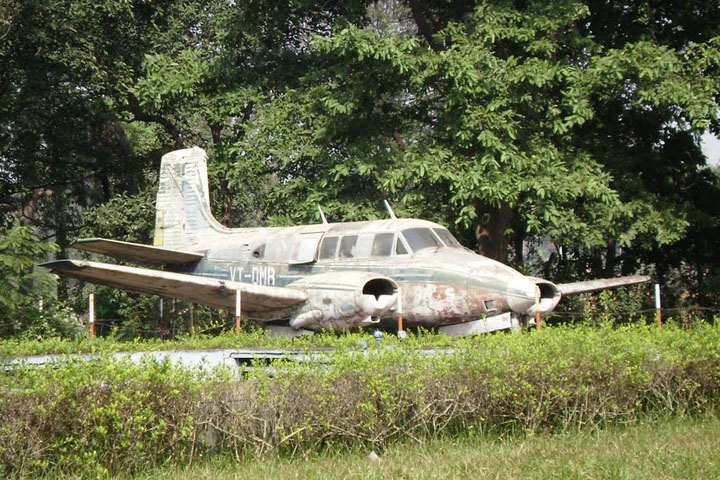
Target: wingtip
x=85, y=241
x=64, y=265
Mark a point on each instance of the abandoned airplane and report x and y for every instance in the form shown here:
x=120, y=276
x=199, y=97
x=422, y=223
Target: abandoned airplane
x=328, y=276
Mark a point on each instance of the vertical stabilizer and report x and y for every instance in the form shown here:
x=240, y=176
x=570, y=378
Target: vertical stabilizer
x=183, y=213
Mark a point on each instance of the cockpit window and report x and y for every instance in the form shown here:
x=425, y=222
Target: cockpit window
x=382, y=245
x=447, y=237
x=419, y=238
x=400, y=248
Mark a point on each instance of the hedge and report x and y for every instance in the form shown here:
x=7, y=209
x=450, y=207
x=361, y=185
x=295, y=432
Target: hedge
x=114, y=416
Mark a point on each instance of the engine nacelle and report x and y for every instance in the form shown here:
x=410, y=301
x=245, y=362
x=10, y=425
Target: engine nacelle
x=340, y=300
x=549, y=297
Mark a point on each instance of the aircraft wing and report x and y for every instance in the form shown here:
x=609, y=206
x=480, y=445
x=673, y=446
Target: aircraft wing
x=193, y=288
x=136, y=252
x=575, y=288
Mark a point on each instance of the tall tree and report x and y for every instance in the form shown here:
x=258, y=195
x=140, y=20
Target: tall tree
x=498, y=118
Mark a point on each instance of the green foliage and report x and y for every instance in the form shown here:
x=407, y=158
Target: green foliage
x=27, y=304
x=117, y=415
x=573, y=120
x=74, y=417
x=488, y=119
x=130, y=218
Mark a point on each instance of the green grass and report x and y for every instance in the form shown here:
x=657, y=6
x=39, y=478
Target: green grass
x=684, y=448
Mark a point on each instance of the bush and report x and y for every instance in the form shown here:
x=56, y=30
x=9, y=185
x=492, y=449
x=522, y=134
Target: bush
x=28, y=307
x=117, y=416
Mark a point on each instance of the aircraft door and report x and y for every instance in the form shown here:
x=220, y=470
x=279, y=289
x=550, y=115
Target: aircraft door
x=304, y=248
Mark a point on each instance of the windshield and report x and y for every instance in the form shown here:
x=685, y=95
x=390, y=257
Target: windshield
x=447, y=237
x=419, y=238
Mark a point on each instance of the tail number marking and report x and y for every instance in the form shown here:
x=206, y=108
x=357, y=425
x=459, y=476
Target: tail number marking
x=263, y=275
x=259, y=275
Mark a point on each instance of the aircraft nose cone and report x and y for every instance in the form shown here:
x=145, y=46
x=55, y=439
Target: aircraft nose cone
x=520, y=294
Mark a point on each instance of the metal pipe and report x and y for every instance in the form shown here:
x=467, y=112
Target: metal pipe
x=658, y=305
x=91, y=315
x=237, y=311
x=537, y=308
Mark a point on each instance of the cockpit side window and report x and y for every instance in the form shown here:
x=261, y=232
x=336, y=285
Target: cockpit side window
x=419, y=238
x=400, y=248
x=328, y=248
x=347, y=246
x=447, y=237
x=382, y=245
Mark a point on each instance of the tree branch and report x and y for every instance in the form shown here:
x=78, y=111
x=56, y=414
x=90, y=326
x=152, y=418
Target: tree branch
x=424, y=27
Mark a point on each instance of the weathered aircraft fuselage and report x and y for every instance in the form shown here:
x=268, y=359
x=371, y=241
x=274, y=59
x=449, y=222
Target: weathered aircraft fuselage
x=324, y=276
x=439, y=285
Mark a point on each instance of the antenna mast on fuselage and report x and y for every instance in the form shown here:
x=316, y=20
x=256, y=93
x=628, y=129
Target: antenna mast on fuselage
x=390, y=210
x=322, y=215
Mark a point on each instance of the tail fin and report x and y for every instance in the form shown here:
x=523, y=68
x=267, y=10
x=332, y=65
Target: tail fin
x=183, y=201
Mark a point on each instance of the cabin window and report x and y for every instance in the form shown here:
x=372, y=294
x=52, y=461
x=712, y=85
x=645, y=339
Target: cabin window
x=490, y=306
x=382, y=245
x=363, y=247
x=347, y=246
x=419, y=238
x=446, y=237
x=328, y=248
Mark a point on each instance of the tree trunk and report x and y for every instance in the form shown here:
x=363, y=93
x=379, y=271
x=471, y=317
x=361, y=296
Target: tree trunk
x=610, y=258
x=491, y=237
x=27, y=211
x=61, y=238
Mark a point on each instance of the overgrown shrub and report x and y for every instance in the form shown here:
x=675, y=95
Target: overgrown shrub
x=99, y=416
x=118, y=416
x=28, y=304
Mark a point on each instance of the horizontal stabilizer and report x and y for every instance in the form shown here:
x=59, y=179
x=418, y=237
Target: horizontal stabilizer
x=136, y=252
x=193, y=288
x=593, y=285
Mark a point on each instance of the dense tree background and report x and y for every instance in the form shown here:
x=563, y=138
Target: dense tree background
x=573, y=125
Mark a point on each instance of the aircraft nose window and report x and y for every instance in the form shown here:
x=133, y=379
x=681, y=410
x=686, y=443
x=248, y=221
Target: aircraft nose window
x=419, y=238
x=446, y=237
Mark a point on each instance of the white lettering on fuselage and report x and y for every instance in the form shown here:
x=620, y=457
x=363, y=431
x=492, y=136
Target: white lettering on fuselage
x=263, y=275
x=259, y=276
x=236, y=274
